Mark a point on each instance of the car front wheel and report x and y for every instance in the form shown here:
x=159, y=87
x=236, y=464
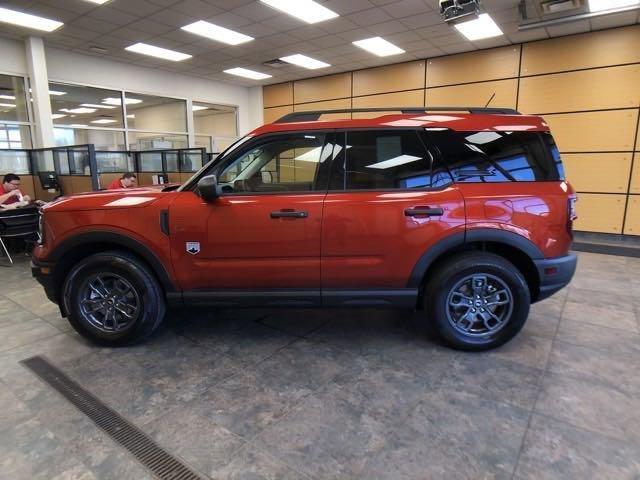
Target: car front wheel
x=113, y=299
x=477, y=301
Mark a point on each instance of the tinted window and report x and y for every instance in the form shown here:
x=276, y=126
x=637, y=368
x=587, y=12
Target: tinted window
x=282, y=163
x=497, y=156
x=380, y=160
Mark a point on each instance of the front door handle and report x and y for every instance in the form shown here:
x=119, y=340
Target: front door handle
x=289, y=214
x=423, y=212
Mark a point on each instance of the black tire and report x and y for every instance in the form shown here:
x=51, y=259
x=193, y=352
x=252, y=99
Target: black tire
x=128, y=271
x=455, y=276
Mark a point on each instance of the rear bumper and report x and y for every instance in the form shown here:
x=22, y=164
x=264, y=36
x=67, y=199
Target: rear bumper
x=555, y=274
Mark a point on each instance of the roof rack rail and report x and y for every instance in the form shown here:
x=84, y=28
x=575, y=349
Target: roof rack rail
x=314, y=115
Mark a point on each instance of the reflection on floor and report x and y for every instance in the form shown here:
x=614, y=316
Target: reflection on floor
x=337, y=393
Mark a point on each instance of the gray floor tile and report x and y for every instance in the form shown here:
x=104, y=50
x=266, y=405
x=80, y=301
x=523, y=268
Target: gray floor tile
x=34, y=300
x=554, y=449
x=299, y=323
x=605, y=316
x=525, y=349
x=24, y=333
x=541, y=324
x=590, y=405
x=599, y=337
x=252, y=464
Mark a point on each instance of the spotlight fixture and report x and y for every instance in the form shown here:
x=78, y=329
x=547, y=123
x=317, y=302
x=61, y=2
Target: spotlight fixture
x=453, y=10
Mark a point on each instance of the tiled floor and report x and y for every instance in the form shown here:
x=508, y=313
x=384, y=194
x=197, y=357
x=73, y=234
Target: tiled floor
x=337, y=394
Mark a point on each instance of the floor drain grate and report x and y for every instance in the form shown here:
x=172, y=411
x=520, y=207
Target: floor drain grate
x=161, y=463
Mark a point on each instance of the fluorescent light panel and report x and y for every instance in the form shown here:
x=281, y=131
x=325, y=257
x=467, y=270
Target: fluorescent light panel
x=304, y=61
x=158, y=52
x=246, y=73
x=97, y=2
x=7, y=105
x=602, y=5
x=479, y=28
x=7, y=97
x=78, y=125
x=78, y=110
x=378, y=46
x=306, y=10
x=95, y=105
x=56, y=116
x=117, y=101
x=103, y=121
x=30, y=21
x=216, y=32
x=197, y=108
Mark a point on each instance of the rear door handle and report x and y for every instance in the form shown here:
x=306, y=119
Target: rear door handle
x=423, y=212
x=289, y=214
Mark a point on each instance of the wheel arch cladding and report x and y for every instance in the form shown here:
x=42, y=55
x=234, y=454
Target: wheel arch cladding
x=513, y=247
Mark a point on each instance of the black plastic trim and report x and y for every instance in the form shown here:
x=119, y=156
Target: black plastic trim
x=506, y=237
x=428, y=257
x=565, y=268
x=164, y=222
x=395, y=298
x=251, y=298
x=120, y=240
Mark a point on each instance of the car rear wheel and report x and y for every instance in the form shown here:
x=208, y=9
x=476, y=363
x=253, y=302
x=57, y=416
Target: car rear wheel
x=113, y=299
x=477, y=301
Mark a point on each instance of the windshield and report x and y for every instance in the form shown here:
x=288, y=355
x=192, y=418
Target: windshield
x=231, y=148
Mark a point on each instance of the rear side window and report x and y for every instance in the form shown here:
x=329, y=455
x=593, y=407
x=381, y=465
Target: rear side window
x=382, y=160
x=499, y=156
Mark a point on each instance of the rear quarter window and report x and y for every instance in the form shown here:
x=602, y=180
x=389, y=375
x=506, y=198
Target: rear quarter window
x=490, y=157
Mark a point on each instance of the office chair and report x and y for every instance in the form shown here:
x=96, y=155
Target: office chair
x=19, y=223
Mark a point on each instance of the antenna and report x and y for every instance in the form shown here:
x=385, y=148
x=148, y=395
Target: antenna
x=494, y=94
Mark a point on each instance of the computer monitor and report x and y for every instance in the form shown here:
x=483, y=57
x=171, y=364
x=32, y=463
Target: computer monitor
x=160, y=179
x=49, y=180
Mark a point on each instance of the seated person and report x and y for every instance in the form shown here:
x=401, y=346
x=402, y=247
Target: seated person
x=128, y=180
x=10, y=192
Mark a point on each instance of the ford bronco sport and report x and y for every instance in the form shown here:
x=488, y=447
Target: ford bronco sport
x=463, y=214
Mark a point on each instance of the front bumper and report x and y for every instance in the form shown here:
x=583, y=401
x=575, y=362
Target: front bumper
x=555, y=274
x=43, y=273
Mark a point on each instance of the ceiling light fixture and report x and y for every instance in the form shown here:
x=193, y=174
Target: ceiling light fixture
x=245, y=72
x=95, y=105
x=7, y=97
x=78, y=110
x=158, y=52
x=197, y=108
x=117, y=101
x=602, y=5
x=378, y=46
x=78, y=125
x=103, y=121
x=98, y=2
x=304, y=61
x=7, y=105
x=306, y=10
x=56, y=116
x=131, y=116
x=216, y=32
x=30, y=21
x=52, y=92
x=479, y=28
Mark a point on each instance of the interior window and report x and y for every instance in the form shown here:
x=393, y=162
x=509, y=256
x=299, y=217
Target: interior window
x=287, y=163
x=377, y=160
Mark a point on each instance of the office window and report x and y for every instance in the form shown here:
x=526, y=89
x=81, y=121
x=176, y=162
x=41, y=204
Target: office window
x=13, y=101
x=102, y=139
x=159, y=114
x=15, y=161
x=156, y=141
x=15, y=136
x=203, y=141
x=80, y=106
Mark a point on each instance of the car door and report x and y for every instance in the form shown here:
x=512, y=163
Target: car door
x=389, y=201
x=262, y=234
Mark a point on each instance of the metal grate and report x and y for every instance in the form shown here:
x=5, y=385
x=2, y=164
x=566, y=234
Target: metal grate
x=161, y=463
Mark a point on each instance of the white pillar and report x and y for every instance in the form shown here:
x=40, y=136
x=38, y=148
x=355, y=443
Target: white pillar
x=190, y=124
x=37, y=64
x=256, y=107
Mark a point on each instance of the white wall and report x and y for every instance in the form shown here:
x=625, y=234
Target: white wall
x=13, y=59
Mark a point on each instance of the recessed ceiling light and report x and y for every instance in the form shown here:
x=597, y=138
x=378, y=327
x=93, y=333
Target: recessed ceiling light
x=304, y=61
x=306, y=10
x=158, y=52
x=98, y=2
x=7, y=97
x=216, y=32
x=55, y=116
x=479, y=28
x=601, y=5
x=78, y=125
x=52, y=92
x=104, y=121
x=30, y=21
x=378, y=46
x=196, y=108
x=95, y=105
x=245, y=72
x=117, y=101
x=7, y=105
x=131, y=116
x=77, y=110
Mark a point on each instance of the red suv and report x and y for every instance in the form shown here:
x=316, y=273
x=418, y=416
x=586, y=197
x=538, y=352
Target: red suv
x=461, y=213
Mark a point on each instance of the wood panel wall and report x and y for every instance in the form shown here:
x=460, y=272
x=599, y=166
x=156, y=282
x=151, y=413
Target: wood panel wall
x=586, y=86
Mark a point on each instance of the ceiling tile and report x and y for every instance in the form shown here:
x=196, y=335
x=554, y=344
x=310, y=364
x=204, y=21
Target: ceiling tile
x=112, y=15
x=369, y=17
x=337, y=25
x=457, y=47
x=257, y=30
x=256, y=11
x=387, y=28
x=610, y=21
x=172, y=18
x=140, y=8
x=327, y=41
x=229, y=20
x=98, y=26
x=528, y=35
x=196, y=8
x=307, y=32
x=148, y=26
x=405, y=8
x=344, y=8
x=423, y=20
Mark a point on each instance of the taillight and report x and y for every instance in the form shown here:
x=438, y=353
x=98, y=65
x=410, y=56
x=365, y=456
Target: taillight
x=572, y=213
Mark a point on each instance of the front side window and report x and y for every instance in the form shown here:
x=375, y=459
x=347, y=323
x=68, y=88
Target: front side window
x=492, y=157
x=283, y=163
x=381, y=160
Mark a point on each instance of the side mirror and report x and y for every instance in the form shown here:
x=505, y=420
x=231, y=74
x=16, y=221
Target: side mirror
x=208, y=188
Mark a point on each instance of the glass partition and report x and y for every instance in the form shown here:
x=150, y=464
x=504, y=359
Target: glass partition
x=161, y=114
x=13, y=101
x=156, y=141
x=114, y=162
x=15, y=161
x=77, y=105
x=192, y=161
x=150, y=161
x=102, y=139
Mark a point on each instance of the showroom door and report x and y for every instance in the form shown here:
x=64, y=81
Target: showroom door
x=263, y=232
x=388, y=202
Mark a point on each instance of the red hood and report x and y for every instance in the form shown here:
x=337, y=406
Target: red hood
x=109, y=199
